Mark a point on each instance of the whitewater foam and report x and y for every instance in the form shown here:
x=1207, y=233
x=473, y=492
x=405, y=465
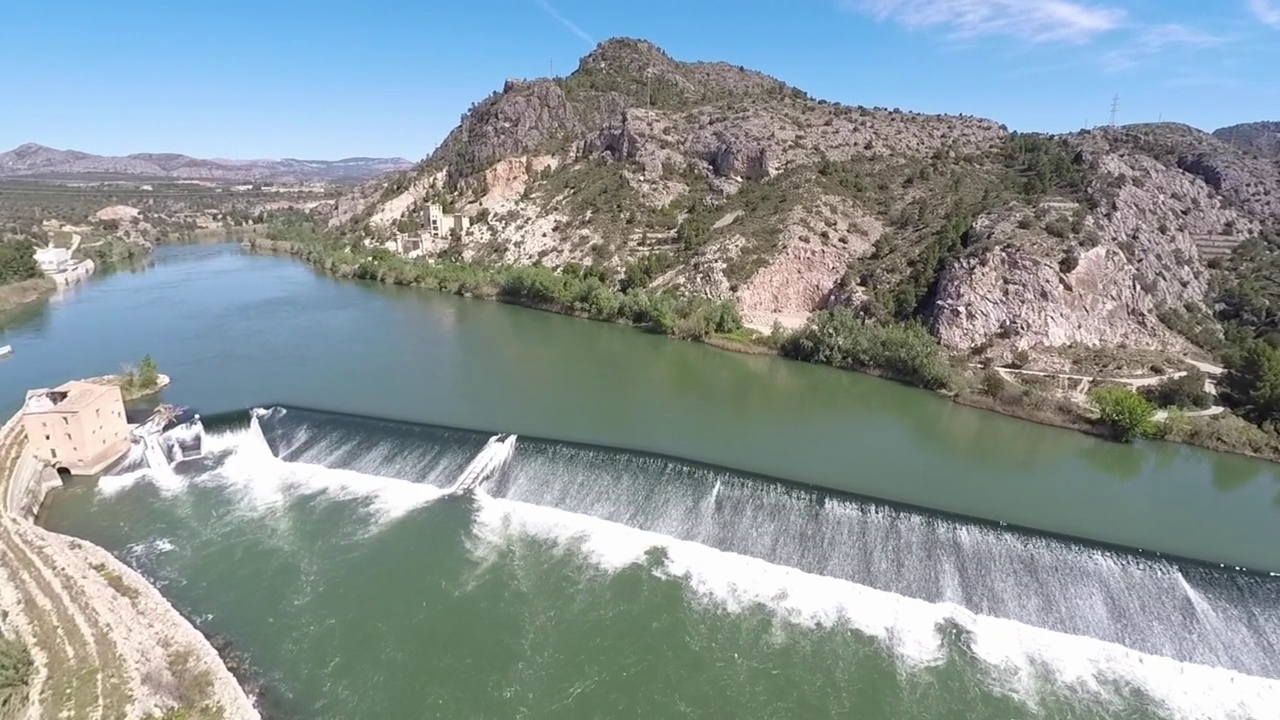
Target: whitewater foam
x=910, y=626
x=262, y=482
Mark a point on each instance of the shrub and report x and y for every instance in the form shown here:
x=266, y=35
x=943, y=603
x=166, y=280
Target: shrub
x=1186, y=392
x=993, y=384
x=16, y=668
x=1125, y=413
x=902, y=351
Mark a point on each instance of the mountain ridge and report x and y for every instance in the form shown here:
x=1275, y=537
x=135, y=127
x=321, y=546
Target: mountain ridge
x=727, y=183
x=32, y=160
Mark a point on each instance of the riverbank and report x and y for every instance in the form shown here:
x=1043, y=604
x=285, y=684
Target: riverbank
x=103, y=641
x=15, y=295
x=1222, y=433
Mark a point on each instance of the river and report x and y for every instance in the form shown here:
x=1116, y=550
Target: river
x=676, y=531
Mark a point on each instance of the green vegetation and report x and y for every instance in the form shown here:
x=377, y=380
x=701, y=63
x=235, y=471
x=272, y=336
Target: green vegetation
x=1252, y=382
x=1185, y=392
x=141, y=379
x=1126, y=414
x=17, y=261
x=16, y=668
x=114, y=252
x=904, y=352
x=1044, y=164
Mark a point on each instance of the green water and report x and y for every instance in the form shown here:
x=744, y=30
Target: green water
x=356, y=596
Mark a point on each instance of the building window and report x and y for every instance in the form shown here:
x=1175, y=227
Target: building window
x=66, y=421
x=68, y=436
x=97, y=412
x=53, y=453
x=47, y=438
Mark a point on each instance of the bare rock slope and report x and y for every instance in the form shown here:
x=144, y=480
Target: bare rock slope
x=736, y=185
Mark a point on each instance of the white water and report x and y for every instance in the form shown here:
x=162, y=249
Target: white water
x=913, y=628
x=495, y=453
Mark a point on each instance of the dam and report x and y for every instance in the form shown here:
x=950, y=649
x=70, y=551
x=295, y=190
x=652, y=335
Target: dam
x=1037, y=618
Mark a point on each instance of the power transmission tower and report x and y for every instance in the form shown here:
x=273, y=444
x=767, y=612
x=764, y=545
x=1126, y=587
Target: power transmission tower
x=1115, y=106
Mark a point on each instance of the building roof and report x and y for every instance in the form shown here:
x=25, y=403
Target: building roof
x=68, y=397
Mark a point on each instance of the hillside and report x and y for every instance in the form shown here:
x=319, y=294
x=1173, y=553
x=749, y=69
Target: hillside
x=1261, y=138
x=37, y=161
x=723, y=182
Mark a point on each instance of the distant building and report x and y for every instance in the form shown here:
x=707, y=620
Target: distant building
x=441, y=224
x=78, y=427
x=53, y=259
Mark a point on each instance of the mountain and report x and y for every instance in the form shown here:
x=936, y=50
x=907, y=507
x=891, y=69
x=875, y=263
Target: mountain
x=37, y=161
x=722, y=181
x=1262, y=138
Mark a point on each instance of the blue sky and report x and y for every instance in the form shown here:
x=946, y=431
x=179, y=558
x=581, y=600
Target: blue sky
x=334, y=78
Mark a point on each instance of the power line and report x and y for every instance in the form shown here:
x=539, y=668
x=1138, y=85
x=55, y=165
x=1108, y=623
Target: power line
x=1115, y=106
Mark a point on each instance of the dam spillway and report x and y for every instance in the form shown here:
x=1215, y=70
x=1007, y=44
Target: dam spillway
x=1031, y=611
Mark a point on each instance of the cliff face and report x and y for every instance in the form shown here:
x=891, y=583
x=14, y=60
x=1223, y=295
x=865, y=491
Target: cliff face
x=740, y=186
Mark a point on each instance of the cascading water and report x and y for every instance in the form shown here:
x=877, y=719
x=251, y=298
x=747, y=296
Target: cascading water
x=1201, y=641
x=495, y=453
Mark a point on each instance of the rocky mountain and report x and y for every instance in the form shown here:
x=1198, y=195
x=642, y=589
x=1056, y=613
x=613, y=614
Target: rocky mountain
x=38, y=161
x=1262, y=138
x=728, y=183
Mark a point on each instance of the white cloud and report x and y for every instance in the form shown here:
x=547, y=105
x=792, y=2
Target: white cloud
x=1268, y=11
x=548, y=9
x=1157, y=40
x=1031, y=20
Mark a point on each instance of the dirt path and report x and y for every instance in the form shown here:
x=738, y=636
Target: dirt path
x=1080, y=396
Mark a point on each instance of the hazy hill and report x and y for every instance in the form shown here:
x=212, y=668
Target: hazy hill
x=1262, y=138
x=37, y=161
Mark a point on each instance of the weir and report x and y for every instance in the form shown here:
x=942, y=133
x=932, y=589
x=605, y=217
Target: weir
x=895, y=573
x=1182, y=611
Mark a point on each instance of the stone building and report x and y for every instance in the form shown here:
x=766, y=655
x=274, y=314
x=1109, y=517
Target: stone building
x=77, y=427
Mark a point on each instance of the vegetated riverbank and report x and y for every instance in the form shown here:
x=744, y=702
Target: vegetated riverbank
x=903, y=352
x=97, y=639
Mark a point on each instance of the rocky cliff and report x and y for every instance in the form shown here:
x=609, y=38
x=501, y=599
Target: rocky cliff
x=733, y=184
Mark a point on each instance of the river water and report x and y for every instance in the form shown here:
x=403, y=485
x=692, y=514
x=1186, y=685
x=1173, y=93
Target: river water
x=609, y=563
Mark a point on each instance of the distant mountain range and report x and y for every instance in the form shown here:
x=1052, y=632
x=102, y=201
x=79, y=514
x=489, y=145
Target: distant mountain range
x=37, y=161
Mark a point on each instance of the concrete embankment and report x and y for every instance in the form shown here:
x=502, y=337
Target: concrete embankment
x=105, y=643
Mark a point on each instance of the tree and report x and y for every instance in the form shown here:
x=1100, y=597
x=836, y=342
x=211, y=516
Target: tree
x=1252, y=382
x=1126, y=414
x=148, y=376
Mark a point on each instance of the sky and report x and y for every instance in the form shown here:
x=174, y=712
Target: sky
x=338, y=78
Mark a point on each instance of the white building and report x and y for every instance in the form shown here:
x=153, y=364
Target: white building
x=53, y=259
x=441, y=224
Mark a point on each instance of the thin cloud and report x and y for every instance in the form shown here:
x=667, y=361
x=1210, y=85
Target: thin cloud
x=555, y=14
x=1157, y=40
x=1267, y=11
x=1039, y=21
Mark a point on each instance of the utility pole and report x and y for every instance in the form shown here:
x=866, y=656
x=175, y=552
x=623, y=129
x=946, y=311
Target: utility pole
x=1115, y=106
